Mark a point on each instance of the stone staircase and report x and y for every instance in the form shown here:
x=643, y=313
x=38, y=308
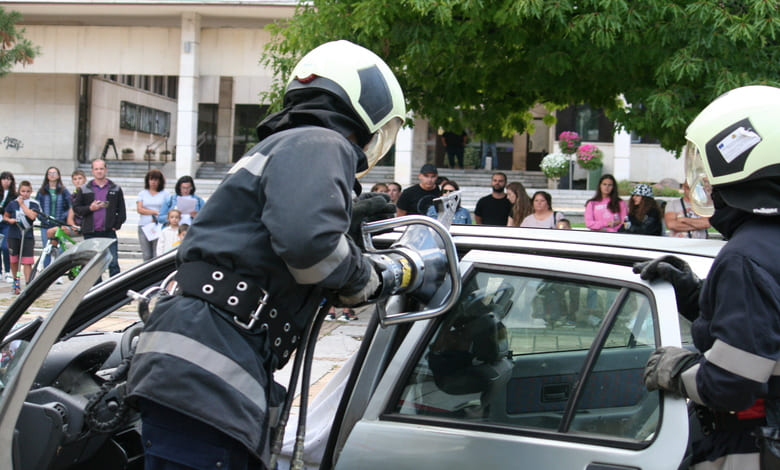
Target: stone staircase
x=213, y=170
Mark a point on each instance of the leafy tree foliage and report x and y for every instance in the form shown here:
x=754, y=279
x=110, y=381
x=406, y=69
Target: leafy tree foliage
x=14, y=48
x=482, y=64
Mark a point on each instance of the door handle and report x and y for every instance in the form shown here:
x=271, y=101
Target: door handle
x=555, y=392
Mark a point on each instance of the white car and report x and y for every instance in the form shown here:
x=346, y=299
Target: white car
x=537, y=364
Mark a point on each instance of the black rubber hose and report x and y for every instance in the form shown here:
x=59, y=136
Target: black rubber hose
x=296, y=462
x=278, y=442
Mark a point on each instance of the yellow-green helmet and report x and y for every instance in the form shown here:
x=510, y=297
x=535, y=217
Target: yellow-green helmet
x=733, y=141
x=364, y=82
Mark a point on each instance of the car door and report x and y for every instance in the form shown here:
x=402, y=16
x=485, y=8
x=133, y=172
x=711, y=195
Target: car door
x=538, y=365
x=28, y=334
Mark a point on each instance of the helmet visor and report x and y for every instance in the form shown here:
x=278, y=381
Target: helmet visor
x=698, y=182
x=381, y=143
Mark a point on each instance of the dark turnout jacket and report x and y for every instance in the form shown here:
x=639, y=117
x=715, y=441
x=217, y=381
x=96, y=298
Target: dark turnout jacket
x=192, y=357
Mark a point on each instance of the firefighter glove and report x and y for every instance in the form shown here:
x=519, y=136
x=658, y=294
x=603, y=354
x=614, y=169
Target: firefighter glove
x=370, y=207
x=677, y=272
x=354, y=297
x=665, y=367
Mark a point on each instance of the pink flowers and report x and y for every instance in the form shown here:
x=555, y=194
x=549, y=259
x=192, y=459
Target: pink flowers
x=589, y=156
x=569, y=141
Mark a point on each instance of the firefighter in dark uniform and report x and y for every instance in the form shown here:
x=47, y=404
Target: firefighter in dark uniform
x=258, y=260
x=733, y=170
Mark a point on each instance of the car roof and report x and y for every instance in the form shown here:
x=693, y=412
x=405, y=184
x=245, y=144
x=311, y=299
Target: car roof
x=613, y=248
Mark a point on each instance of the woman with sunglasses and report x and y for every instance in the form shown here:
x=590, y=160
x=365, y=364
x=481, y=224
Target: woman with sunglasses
x=462, y=216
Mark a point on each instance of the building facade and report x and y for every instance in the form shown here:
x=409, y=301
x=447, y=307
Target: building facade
x=170, y=79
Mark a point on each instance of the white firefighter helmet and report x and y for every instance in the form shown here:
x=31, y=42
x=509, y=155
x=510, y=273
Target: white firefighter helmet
x=361, y=80
x=733, y=141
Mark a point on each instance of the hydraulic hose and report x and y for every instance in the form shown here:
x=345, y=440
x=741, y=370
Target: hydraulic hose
x=296, y=462
x=276, y=445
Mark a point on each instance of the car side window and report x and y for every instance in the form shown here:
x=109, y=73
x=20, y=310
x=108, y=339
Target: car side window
x=514, y=348
x=614, y=400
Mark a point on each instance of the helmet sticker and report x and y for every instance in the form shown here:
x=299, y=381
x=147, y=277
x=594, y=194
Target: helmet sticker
x=729, y=149
x=737, y=142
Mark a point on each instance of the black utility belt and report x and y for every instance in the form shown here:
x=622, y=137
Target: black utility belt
x=711, y=420
x=248, y=302
x=220, y=287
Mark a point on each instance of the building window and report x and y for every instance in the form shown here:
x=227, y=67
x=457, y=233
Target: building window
x=128, y=116
x=248, y=116
x=162, y=123
x=590, y=123
x=172, y=90
x=158, y=84
x=207, y=132
x=134, y=117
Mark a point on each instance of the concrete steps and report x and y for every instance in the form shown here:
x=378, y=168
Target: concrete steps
x=213, y=170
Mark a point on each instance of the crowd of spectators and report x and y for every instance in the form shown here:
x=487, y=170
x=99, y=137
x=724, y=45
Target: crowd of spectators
x=96, y=209
x=88, y=209
x=509, y=204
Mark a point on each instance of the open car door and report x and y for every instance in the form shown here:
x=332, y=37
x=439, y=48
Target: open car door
x=25, y=346
x=538, y=365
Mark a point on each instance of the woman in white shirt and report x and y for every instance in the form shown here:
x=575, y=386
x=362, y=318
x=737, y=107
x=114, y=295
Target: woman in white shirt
x=150, y=201
x=543, y=216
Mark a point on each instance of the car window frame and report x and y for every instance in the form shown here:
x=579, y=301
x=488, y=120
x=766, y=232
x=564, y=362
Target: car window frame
x=563, y=433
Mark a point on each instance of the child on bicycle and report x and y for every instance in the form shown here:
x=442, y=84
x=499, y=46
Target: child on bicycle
x=20, y=215
x=170, y=234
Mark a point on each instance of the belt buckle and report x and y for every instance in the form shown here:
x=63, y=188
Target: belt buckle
x=254, y=316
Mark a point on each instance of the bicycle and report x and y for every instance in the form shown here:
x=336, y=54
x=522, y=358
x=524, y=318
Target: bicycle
x=60, y=241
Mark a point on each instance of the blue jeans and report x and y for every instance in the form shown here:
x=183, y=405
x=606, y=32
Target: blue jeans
x=113, y=267
x=177, y=442
x=489, y=147
x=4, y=248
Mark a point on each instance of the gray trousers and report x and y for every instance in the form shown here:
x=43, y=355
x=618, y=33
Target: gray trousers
x=148, y=248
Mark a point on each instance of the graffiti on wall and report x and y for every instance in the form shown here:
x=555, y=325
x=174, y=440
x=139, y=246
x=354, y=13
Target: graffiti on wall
x=12, y=143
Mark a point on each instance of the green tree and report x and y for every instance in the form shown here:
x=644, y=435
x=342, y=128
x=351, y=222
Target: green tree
x=14, y=48
x=482, y=64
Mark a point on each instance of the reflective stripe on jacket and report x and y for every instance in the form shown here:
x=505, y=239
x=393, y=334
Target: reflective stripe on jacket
x=739, y=326
x=278, y=219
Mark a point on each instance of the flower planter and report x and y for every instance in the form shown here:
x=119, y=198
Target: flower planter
x=593, y=178
x=555, y=165
x=128, y=155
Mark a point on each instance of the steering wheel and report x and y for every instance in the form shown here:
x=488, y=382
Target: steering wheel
x=126, y=342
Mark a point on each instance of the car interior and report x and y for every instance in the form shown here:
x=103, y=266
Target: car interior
x=56, y=428
x=524, y=352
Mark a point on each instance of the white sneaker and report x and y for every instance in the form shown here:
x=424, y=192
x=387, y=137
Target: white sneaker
x=8, y=278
